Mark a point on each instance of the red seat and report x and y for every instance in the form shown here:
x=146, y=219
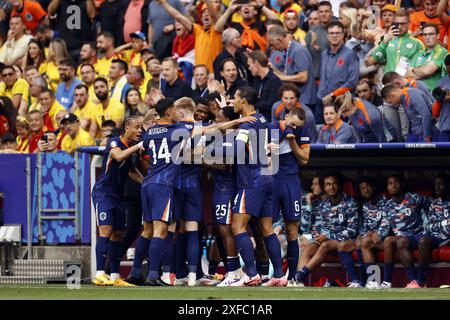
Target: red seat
x=444, y=254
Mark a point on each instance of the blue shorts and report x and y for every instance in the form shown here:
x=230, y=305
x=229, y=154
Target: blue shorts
x=189, y=204
x=414, y=241
x=254, y=201
x=110, y=212
x=157, y=202
x=222, y=203
x=287, y=197
x=436, y=242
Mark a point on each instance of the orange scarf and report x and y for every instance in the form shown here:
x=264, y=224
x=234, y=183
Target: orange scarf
x=250, y=36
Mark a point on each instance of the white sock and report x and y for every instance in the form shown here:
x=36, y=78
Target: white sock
x=99, y=273
x=114, y=276
x=192, y=275
x=166, y=274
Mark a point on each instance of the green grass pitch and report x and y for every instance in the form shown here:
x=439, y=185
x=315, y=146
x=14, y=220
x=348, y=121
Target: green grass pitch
x=89, y=292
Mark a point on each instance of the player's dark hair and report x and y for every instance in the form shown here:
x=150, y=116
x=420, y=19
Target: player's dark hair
x=82, y=86
x=335, y=174
x=298, y=112
x=101, y=79
x=108, y=123
x=445, y=177
x=213, y=96
x=249, y=93
x=163, y=105
x=127, y=121
x=229, y=113
x=387, y=90
x=201, y=100
x=122, y=64
x=289, y=87
x=325, y=3
x=371, y=181
x=400, y=179
x=389, y=77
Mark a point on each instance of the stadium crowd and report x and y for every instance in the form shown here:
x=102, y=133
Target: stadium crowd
x=85, y=73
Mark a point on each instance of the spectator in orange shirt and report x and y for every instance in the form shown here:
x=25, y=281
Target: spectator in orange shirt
x=431, y=14
x=31, y=13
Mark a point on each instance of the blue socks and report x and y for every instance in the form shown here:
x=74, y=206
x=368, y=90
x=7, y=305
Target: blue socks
x=411, y=272
x=155, y=252
x=292, y=257
x=233, y=263
x=169, y=251
x=347, y=261
x=180, y=251
x=212, y=267
x=263, y=267
x=114, y=255
x=361, y=268
x=192, y=250
x=274, y=251
x=422, y=273
x=142, y=245
x=245, y=247
x=302, y=274
x=101, y=249
x=388, y=269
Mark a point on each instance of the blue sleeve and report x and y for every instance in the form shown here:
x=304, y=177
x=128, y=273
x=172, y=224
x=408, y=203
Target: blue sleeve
x=353, y=71
x=320, y=91
x=421, y=106
x=352, y=220
x=301, y=61
x=344, y=135
x=377, y=126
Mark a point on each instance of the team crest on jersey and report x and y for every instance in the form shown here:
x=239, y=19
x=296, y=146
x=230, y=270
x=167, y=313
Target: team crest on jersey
x=446, y=213
x=409, y=46
x=340, y=62
x=408, y=211
x=102, y=216
x=28, y=16
x=113, y=144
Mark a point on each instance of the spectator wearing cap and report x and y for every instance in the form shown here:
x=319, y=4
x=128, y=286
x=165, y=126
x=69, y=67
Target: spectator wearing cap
x=417, y=109
x=339, y=71
x=375, y=35
x=173, y=86
x=334, y=130
x=265, y=81
x=135, y=18
x=61, y=13
x=133, y=56
x=428, y=64
x=208, y=40
x=76, y=136
x=288, y=6
x=15, y=89
x=316, y=38
x=16, y=46
x=441, y=108
x=31, y=13
x=291, y=23
x=297, y=67
x=49, y=143
x=232, y=48
x=201, y=80
x=397, y=48
x=66, y=88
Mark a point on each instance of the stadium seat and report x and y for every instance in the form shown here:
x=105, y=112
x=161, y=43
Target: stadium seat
x=444, y=254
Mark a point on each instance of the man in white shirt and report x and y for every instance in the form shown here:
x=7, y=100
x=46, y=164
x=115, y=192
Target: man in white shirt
x=16, y=46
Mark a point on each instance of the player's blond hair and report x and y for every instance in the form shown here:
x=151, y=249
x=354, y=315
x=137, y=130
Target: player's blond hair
x=185, y=104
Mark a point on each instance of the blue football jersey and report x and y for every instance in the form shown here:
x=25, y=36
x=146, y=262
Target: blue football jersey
x=252, y=166
x=288, y=164
x=190, y=172
x=112, y=175
x=162, y=144
x=405, y=218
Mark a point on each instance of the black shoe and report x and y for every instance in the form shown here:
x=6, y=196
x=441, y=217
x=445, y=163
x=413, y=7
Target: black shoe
x=136, y=281
x=155, y=283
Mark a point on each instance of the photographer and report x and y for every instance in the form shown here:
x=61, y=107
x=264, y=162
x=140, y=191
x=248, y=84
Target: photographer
x=441, y=108
x=47, y=143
